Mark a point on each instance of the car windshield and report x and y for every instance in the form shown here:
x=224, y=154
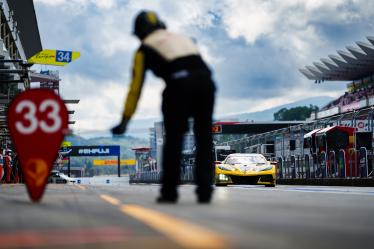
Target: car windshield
x=246, y=159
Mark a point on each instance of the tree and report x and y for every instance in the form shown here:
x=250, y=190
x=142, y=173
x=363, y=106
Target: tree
x=299, y=113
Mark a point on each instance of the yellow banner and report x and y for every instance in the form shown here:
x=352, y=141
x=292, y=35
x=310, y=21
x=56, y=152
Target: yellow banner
x=54, y=57
x=98, y=162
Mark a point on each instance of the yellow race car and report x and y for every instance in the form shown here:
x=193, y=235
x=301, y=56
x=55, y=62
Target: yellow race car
x=241, y=168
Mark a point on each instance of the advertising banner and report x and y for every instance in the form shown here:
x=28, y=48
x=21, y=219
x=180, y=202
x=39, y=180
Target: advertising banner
x=329, y=112
x=351, y=107
x=54, y=57
x=371, y=101
x=361, y=124
x=104, y=150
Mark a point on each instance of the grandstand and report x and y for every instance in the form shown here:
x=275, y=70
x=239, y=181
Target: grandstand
x=355, y=65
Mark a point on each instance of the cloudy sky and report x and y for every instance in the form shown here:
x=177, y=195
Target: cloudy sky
x=254, y=47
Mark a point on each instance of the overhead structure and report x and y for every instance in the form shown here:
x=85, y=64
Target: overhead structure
x=20, y=41
x=252, y=128
x=354, y=63
x=43, y=78
x=20, y=23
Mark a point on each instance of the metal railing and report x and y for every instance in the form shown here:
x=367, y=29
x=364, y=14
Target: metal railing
x=358, y=164
x=281, y=136
x=186, y=176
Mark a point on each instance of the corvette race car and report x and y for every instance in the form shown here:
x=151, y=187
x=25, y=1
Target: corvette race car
x=241, y=168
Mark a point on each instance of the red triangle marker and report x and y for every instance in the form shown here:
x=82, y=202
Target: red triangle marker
x=37, y=122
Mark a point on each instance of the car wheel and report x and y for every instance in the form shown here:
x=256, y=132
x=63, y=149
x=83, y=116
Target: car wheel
x=270, y=185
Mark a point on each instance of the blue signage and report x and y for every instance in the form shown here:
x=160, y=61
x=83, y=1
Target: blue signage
x=104, y=150
x=63, y=56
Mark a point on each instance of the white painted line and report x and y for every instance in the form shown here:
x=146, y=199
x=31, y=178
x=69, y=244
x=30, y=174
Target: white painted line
x=369, y=192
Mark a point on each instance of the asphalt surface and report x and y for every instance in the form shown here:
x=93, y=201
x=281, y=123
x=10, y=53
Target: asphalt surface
x=126, y=216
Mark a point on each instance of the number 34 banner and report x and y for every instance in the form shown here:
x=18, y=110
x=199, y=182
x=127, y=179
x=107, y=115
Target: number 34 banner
x=54, y=57
x=37, y=121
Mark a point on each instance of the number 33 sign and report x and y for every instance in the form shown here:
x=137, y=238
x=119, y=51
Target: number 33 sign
x=37, y=121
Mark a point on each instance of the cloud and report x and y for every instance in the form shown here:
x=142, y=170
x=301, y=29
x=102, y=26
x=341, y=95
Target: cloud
x=254, y=48
x=293, y=25
x=250, y=20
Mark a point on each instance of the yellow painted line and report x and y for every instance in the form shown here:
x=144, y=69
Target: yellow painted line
x=185, y=234
x=110, y=199
x=81, y=187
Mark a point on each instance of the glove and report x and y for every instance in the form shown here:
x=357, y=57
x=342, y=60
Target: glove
x=121, y=128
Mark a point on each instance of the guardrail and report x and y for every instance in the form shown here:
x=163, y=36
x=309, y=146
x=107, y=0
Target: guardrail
x=333, y=168
x=358, y=164
x=149, y=177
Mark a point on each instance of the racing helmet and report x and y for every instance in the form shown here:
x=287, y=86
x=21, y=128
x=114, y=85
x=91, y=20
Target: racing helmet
x=146, y=22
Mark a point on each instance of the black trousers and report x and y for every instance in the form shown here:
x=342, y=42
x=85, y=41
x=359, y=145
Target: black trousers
x=191, y=97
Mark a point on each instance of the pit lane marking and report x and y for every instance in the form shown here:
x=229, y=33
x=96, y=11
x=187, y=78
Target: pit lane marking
x=185, y=234
x=111, y=200
x=81, y=187
x=310, y=190
x=51, y=238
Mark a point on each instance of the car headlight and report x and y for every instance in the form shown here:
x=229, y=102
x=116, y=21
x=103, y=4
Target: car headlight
x=223, y=177
x=223, y=167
